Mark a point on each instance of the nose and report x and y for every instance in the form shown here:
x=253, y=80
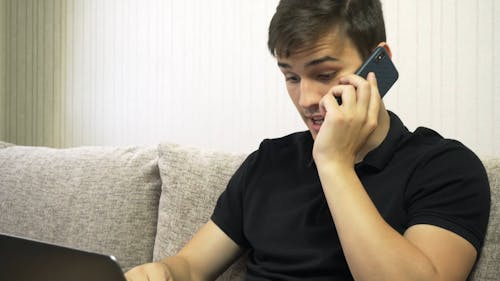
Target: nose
x=310, y=94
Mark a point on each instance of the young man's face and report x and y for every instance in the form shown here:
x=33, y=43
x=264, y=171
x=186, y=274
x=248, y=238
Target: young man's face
x=311, y=72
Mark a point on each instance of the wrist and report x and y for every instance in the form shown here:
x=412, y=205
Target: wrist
x=334, y=167
x=336, y=178
x=339, y=161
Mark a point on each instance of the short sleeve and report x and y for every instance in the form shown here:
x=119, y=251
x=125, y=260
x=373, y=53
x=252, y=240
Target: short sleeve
x=228, y=212
x=450, y=189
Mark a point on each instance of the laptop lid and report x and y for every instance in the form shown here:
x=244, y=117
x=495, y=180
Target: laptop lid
x=24, y=259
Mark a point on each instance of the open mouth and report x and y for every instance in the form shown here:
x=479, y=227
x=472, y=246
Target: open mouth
x=318, y=120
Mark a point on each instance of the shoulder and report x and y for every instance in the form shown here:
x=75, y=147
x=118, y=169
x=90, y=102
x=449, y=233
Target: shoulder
x=432, y=148
x=442, y=159
x=274, y=152
x=293, y=140
x=292, y=147
x=446, y=169
x=449, y=187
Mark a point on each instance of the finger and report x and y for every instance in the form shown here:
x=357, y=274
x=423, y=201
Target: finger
x=350, y=98
x=348, y=94
x=157, y=272
x=157, y=275
x=327, y=104
x=352, y=79
x=147, y=272
x=372, y=79
x=364, y=92
x=336, y=92
x=134, y=275
x=362, y=87
x=374, y=105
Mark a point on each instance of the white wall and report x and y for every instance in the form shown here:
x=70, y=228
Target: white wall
x=448, y=54
x=93, y=72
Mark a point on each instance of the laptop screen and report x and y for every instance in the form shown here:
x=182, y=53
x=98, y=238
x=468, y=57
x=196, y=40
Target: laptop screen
x=24, y=259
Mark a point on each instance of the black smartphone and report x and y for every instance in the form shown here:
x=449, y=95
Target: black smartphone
x=381, y=64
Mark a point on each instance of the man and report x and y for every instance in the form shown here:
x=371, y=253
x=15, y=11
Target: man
x=357, y=196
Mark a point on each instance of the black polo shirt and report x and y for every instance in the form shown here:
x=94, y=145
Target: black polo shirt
x=274, y=204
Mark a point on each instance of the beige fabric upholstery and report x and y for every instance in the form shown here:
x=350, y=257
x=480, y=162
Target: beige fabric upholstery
x=192, y=181
x=488, y=267
x=106, y=199
x=99, y=199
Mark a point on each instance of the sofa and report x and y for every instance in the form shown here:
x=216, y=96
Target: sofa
x=141, y=203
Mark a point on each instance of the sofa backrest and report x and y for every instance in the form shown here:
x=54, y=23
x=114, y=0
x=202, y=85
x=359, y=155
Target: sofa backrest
x=111, y=200
x=488, y=265
x=99, y=199
x=193, y=178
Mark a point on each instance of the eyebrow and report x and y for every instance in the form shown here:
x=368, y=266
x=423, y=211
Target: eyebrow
x=311, y=63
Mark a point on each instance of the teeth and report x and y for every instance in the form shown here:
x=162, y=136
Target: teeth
x=318, y=121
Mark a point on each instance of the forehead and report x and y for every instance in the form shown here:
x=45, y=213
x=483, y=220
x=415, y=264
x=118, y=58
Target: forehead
x=334, y=44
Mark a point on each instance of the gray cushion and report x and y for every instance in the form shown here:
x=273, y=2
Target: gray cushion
x=192, y=181
x=99, y=199
x=488, y=266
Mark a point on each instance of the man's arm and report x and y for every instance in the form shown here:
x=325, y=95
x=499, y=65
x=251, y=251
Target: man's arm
x=373, y=249
x=196, y=261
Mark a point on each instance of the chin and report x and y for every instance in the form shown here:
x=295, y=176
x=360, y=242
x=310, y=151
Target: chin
x=310, y=127
x=313, y=133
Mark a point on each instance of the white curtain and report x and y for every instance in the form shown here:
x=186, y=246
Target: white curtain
x=116, y=72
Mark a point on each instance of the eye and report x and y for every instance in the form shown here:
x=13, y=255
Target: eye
x=326, y=77
x=292, y=78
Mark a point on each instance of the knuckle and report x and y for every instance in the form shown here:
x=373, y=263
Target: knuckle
x=336, y=118
x=351, y=88
x=372, y=124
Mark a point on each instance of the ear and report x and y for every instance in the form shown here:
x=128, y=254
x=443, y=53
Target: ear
x=386, y=47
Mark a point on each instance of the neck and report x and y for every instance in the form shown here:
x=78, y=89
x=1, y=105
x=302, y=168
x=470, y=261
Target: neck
x=378, y=136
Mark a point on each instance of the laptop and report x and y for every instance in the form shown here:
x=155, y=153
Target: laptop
x=27, y=260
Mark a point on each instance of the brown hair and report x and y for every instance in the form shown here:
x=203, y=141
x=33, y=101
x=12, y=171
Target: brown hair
x=301, y=23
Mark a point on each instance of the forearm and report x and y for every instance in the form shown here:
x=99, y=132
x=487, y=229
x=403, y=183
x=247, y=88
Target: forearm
x=373, y=249
x=195, y=261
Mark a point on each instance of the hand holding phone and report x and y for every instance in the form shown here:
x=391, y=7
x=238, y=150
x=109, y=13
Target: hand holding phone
x=381, y=64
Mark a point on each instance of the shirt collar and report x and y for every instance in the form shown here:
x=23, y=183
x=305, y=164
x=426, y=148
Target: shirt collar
x=380, y=156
